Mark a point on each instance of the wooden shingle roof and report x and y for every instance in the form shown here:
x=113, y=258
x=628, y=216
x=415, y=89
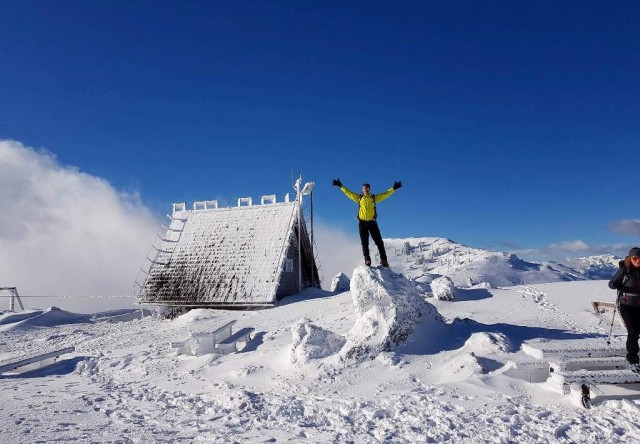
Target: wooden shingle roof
x=222, y=256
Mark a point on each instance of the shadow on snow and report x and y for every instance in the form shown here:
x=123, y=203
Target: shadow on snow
x=446, y=337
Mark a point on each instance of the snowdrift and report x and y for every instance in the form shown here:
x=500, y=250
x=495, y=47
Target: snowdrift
x=340, y=283
x=53, y=316
x=387, y=306
x=49, y=317
x=313, y=342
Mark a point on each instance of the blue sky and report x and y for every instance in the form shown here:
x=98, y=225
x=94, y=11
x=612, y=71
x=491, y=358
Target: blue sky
x=515, y=123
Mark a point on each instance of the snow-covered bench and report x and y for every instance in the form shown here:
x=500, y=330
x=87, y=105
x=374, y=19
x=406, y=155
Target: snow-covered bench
x=201, y=343
x=229, y=344
x=35, y=362
x=531, y=370
x=574, y=348
x=584, y=367
x=600, y=306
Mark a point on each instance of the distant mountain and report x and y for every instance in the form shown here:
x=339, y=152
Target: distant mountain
x=595, y=267
x=426, y=258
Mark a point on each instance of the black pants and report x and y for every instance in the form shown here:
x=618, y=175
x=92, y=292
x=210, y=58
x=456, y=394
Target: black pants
x=631, y=317
x=371, y=226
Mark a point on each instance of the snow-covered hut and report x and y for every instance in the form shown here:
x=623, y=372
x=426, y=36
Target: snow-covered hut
x=241, y=256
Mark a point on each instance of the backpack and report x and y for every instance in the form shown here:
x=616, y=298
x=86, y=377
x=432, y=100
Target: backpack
x=375, y=211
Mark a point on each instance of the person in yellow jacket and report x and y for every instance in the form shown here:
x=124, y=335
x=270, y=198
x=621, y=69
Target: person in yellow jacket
x=367, y=216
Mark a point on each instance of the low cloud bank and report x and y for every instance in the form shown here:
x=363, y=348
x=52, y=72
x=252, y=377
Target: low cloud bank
x=338, y=252
x=65, y=232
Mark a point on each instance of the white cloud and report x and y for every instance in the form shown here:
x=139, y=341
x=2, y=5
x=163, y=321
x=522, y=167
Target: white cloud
x=576, y=246
x=338, y=252
x=65, y=232
x=626, y=226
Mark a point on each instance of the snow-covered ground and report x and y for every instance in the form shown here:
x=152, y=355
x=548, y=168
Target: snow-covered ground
x=375, y=364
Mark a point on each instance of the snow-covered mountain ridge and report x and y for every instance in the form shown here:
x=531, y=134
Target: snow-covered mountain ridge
x=595, y=267
x=426, y=258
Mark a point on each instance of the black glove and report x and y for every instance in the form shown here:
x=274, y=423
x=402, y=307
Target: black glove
x=336, y=183
x=397, y=185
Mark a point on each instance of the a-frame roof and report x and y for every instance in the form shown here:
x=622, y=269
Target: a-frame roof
x=222, y=256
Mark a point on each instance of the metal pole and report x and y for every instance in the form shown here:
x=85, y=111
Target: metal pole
x=299, y=234
x=313, y=259
x=611, y=329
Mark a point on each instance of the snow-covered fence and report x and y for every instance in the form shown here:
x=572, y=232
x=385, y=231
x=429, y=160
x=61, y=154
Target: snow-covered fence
x=205, y=205
x=268, y=199
x=177, y=207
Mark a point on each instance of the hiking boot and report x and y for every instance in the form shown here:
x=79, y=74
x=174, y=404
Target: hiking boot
x=384, y=263
x=367, y=261
x=635, y=368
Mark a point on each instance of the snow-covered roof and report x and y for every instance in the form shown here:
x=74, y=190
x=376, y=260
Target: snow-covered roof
x=219, y=256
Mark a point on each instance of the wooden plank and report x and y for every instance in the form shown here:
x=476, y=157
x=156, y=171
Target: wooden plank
x=573, y=348
x=229, y=344
x=33, y=359
x=240, y=336
x=601, y=305
x=595, y=377
x=591, y=364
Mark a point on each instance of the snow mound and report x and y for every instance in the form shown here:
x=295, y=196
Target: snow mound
x=49, y=317
x=340, y=283
x=488, y=342
x=313, y=342
x=443, y=289
x=459, y=367
x=388, y=306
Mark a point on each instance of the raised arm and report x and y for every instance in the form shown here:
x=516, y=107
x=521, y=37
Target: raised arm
x=382, y=196
x=350, y=194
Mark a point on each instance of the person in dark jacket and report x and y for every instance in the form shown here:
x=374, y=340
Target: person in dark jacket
x=627, y=282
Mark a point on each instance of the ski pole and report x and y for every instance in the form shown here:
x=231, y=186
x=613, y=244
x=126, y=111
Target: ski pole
x=611, y=329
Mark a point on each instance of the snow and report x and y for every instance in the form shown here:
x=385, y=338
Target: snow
x=313, y=342
x=433, y=371
x=427, y=258
x=340, y=283
x=443, y=289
